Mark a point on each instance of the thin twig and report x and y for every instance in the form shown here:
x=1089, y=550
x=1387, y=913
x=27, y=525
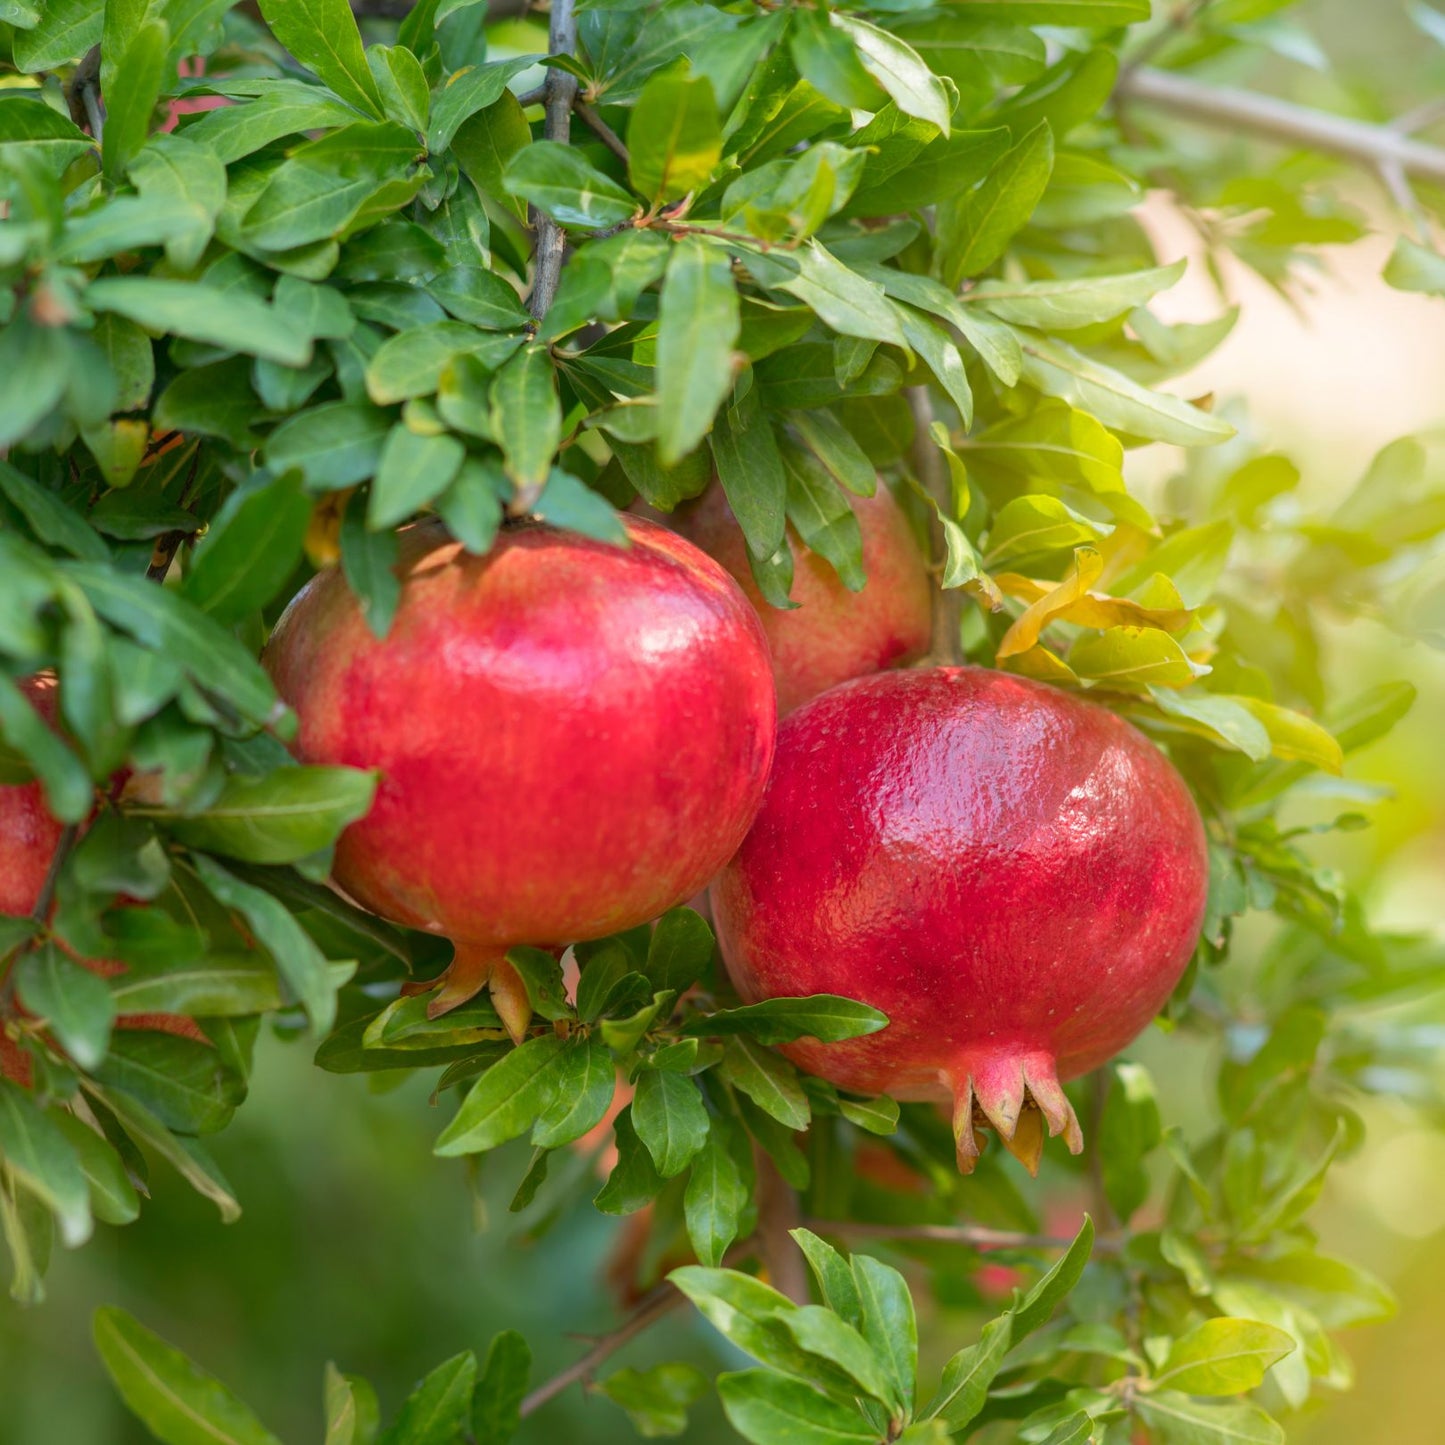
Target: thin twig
x=169, y=543
x=778, y=1213
x=603, y=131
x=82, y=95
x=561, y=91
x=535, y=96
x=1229, y=108
x=946, y=645
x=655, y=1305
x=975, y=1236
x=1183, y=17
x=41, y=912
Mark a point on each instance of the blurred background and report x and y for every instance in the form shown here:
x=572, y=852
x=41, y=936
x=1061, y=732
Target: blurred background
x=358, y=1246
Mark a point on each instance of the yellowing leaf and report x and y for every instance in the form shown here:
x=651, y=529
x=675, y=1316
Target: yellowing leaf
x=1088, y=564
x=1292, y=735
x=1044, y=666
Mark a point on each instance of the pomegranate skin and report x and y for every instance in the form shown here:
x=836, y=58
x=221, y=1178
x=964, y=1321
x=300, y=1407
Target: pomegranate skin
x=1016, y=877
x=833, y=634
x=29, y=834
x=572, y=737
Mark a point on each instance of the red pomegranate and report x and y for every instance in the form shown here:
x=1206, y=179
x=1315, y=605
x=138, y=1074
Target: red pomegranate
x=1015, y=877
x=572, y=736
x=29, y=836
x=832, y=634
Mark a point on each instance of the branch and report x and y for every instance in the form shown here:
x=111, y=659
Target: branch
x=1227, y=108
x=82, y=95
x=975, y=1236
x=604, y=132
x=946, y=645
x=660, y=1302
x=778, y=1213
x=40, y=913
x=561, y=92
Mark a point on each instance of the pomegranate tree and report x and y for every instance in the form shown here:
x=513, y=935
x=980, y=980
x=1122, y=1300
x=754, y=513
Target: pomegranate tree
x=572, y=736
x=832, y=634
x=1015, y=877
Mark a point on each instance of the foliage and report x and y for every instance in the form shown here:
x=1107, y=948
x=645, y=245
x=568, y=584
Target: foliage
x=808, y=248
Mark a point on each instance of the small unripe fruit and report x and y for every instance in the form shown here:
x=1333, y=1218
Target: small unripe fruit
x=572, y=737
x=832, y=634
x=1014, y=876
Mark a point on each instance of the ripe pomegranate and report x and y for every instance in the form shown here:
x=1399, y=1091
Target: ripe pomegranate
x=1015, y=877
x=29, y=836
x=833, y=634
x=572, y=736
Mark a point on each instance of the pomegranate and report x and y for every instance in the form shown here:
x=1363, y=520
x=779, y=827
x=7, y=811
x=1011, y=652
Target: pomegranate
x=572, y=737
x=832, y=634
x=1014, y=876
x=29, y=836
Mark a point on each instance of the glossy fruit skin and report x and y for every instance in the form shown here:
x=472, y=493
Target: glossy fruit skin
x=572, y=736
x=1015, y=876
x=29, y=836
x=833, y=634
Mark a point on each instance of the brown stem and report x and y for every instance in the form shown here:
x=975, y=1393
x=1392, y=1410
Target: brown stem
x=778, y=1213
x=975, y=1236
x=655, y=1305
x=946, y=643
x=603, y=131
x=41, y=911
x=561, y=92
x=82, y=95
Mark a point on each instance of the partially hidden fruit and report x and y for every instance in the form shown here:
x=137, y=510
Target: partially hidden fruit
x=832, y=634
x=1014, y=876
x=572, y=737
x=29, y=836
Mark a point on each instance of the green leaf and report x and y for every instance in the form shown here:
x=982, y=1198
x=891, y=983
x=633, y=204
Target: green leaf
x=281, y=108
x=1057, y=369
x=878, y=1115
x=301, y=963
x=822, y=517
x=820, y=1332
x=835, y=1276
x=679, y=951
x=184, y=1082
x=770, y=1082
x=1178, y=1420
x=656, y=1400
x=113, y=1198
x=822, y=1016
x=497, y=1400
x=402, y=84
x=556, y=179
x=1132, y=657
x=828, y=59
x=69, y=793
x=767, y=1409
x=674, y=138
x=1080, y=301
x=368, y=560
x=65, y=31
x=411, y=363
x=837, y=295
x=586, y=1080
x=1413, y=267
x=30, y=127
x=49, y=518
x=899, y=69
x=1223, y=1357
x=334, y=445
x=485, y=144
x=1059, y=12
x=465, y=92
x=750, y=469
x=716, y=1194
x=219, y=985
x=322, y=35
x=669, y=1117
x=179, y=1403
x=974, y=229
x=698, y=328
x=353, y=1416
x=228, y=319
x=74, y=1003
x=250, y=549
x=278, y=818
x=478, y=297
x=889, y=1325
x=43, y=1162
x=968, y=1375
x=1039, y=1303
x=506, y=1100
x=440, y=1406
x=129, y=106
x=634, y=1181
x=1292, y=735
x=413, y=470
x=1129, y=1131
x=527, y=416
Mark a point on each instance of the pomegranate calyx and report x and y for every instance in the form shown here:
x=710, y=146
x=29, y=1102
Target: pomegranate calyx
x=473, y=968
x=1016, y=1092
